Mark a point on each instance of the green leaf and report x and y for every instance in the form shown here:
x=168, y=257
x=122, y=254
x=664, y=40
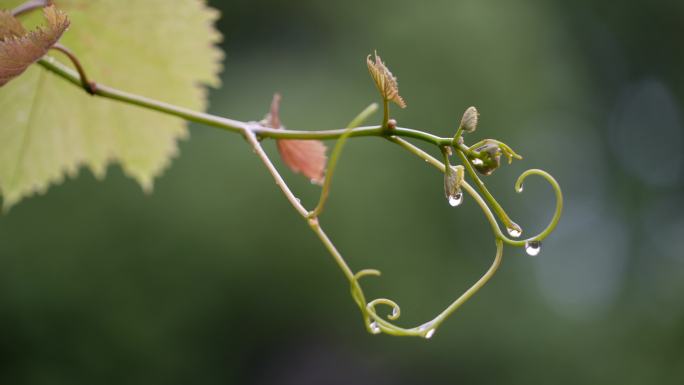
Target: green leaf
x=49, y=128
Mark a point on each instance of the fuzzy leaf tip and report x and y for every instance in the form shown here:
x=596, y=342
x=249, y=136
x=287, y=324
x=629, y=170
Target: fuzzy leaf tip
x=384, y=80
x=19, y=49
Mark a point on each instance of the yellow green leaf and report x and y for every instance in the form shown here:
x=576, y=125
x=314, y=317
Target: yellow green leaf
x=50, y=128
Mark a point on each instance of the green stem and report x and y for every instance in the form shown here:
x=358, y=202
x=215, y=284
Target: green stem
x=231, y=124
x=335, y=155
x=459, y=133
x=500, y=212
x=254, y=142
x=465, y=185
x=385, y=114
x=303, y=212
x=472, y=290
x=85, y=83
x=483, y=205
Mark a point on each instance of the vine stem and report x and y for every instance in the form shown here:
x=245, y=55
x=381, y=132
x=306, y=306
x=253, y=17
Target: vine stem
x=465, y=185
x=483, y=205
x=233, y=125
x=253, y=132
x=498, y=257
x=303, y=212
x=490, y=198
x=335, y=156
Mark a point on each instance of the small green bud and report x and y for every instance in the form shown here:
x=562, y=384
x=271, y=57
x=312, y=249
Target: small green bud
x=469, y=119
x=453, y=177
x=487, y=157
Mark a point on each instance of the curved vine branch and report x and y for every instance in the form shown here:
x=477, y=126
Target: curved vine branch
x=483, y=157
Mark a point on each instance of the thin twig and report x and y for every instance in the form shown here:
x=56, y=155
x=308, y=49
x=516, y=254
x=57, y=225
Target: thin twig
x=87, y=85
x=30, y=6
x=254, y=142
x=313, y=222
x=335, y=155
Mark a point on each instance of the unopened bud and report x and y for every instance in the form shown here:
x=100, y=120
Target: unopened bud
x=453, y=177
x=487, y=158
x=469, y=119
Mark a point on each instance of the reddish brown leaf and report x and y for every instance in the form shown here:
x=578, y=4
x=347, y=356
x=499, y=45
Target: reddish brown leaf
x=9, y=25
x=301, y=156
x=304, y=156
x=18, y=51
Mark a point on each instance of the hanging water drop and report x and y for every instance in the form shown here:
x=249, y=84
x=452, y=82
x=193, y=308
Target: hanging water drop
x=429, y=334
x=533, y=247
x=395, y=313
x=477, y=162
x=456, y=199
x=520, y=188
x=514, y=231
x=374, y=328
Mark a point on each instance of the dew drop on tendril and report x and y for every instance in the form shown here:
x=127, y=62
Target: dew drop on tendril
x=477, y=162
x=514, y=232
x=395, y=313
x=429, y=334
x=374, y=328
x=456, y=199
x=532, y=247
x=520, y=189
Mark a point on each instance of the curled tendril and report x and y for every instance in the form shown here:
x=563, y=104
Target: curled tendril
x=396, y=310
x=376, y=324
x=519, y=188
x=559, y=204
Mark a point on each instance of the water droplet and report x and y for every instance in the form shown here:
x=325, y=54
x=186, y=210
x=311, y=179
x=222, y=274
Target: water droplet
x=514, y=231
x=374, y=328
x=395, y=313
x=477, y=162
x=429, y=334
x=520, y=189
x=456, y=199
x=532, y=247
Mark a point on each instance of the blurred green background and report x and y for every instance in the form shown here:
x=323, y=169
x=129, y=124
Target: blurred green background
x=214, y=279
